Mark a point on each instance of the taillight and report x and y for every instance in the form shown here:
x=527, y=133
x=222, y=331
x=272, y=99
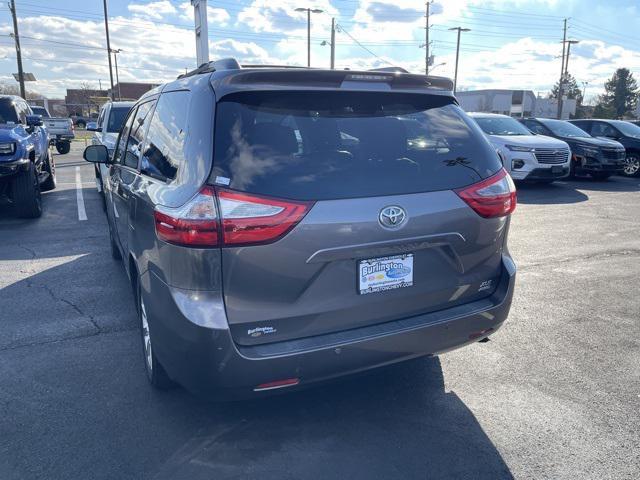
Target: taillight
x=242, y=219
x=249, y=219
x=195, y=224
x=493, y=197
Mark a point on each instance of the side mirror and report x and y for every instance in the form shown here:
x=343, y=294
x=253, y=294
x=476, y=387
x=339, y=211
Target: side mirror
x=97, y=154
x=93, y=127
x=34, y=121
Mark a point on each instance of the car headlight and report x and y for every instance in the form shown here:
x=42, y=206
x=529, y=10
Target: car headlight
x=516, y=148
x=7, y=148
x=590, y=151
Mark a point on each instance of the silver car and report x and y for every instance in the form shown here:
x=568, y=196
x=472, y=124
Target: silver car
x=282, y=227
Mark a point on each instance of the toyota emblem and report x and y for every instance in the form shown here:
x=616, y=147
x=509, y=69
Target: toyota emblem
x=392, y=217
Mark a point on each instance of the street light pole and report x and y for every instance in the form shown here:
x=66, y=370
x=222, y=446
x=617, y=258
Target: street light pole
x=106, y=29
x=115, y=56
x=16, y=38
x=455, y=77
x=309, y=12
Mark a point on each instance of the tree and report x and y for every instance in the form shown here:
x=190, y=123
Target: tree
x=14, y=89
x=570, y=89
x=620, y=96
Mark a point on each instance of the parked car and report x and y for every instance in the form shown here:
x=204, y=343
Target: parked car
x=623, y=132
x=526, y=156
x=26, y=166
x=60, y=129
x=265, y=253
x=105, y=132
x=597, y=157
x=81, y=121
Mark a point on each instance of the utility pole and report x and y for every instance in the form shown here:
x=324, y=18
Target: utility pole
x=455, y=77
x=16, y=37
x=309, y=12
x=426, y=39
x=333, y=43
x=566, y=62
x=115, y=56
x=202, y=31
x=106, y=29
x=561, y=83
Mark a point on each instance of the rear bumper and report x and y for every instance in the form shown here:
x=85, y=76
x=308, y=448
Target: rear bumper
x=207, y=361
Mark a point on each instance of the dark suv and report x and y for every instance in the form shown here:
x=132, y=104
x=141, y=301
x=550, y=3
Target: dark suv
x=597, y=157
x=623, y=132
x=282, y=227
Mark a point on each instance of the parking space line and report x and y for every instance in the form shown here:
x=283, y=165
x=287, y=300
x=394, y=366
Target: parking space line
x=82, y=213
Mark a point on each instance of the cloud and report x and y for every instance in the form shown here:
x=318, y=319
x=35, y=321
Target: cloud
x=218, y=17
x=156, y=9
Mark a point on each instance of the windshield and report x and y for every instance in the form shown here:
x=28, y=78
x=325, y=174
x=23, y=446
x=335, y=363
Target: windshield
x=564, y=129
x=501, y=126
x=40, y=111
x=320, y=146
x=7, y=111
x=627, y=129
x=116, y=118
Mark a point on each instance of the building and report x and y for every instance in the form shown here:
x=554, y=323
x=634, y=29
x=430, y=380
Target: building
x=55, y=106
x=131, y=90
x=84, y=101
x=516, y=103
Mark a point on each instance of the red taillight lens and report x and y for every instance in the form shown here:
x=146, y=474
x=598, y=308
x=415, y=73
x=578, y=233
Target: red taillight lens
x=194, y=224
x=245, y=219
x=493, y=197
x=250, y=219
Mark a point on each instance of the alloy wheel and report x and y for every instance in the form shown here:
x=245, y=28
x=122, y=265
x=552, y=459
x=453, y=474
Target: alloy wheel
x=631, y=165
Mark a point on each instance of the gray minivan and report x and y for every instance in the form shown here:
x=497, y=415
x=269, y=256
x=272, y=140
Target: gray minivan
x=282, y=227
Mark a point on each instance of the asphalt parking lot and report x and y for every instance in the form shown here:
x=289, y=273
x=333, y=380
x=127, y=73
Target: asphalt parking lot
x=554, y=395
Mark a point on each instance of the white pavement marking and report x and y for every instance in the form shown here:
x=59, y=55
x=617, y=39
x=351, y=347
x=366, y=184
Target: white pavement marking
x=82, y=214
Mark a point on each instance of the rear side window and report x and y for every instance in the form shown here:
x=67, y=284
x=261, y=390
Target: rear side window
x=321, y=146
x=164, y=151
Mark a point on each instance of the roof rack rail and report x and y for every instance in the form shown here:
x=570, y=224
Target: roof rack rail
x=213, y=66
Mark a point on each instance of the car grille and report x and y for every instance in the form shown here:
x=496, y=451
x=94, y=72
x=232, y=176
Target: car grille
x=613, y=153
x=552, y=155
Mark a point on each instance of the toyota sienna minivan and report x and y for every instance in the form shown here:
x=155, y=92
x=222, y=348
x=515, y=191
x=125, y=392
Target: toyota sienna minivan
x=282, y=227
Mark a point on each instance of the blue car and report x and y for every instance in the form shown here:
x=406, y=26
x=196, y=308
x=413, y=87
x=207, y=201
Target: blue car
x=26, y=164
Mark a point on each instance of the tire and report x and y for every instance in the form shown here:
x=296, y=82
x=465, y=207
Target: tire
x=601, y=176
x=156, y=374
x=63, y=147
x=26, y=193
x=50, y=168
x=632, y=165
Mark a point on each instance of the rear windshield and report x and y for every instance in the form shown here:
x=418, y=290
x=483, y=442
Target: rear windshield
x=116, y=117
x=321, y=146
x=40, y=111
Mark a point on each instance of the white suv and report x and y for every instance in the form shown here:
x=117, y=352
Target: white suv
x=526, y=156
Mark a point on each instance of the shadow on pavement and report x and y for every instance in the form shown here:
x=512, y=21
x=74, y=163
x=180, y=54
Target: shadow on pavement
x=393, y=423
x=573, y=190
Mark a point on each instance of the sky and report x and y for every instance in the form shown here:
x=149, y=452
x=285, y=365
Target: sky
x=512, y=43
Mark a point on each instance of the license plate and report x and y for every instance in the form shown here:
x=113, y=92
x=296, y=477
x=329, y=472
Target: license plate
x=385, y=273
x=556, y=169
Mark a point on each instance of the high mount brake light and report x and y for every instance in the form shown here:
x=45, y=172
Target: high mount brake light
x=492, y=197
x=236, y=219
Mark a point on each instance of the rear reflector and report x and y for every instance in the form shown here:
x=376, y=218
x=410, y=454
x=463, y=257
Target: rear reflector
x=242, y=219
x=289, y=382
x=493, y=197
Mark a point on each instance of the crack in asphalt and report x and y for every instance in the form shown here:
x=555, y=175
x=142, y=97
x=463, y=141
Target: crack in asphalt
x=32, y=252
x=72, y=305
x=65, y=339
x=591, y=256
